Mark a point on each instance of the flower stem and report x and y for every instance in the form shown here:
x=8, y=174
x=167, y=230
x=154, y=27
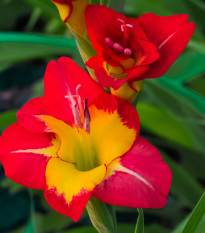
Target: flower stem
x=102, y=216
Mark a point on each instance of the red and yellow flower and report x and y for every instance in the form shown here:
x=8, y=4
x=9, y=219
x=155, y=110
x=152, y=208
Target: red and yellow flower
x=72, y=12
x=129, y=49
x=77, y=141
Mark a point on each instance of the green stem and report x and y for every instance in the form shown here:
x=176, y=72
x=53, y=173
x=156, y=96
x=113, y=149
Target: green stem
x=85, y=47
x=102, y=216
x=140, y=222
x=86, y=51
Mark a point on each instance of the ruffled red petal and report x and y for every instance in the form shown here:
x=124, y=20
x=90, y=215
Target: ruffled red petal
x=64, y=81
x=25, y=155
x=170, y=34
x=140, y=179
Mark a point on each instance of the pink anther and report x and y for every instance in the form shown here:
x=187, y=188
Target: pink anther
x=129, y=25
x=87, y=116
x=128, y=52
x=118, y=47
x=109, y=42
x=121, y=20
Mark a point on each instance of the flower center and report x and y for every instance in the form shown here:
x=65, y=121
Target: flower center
x=81, y=115
x=108, y=139
x=118, y=47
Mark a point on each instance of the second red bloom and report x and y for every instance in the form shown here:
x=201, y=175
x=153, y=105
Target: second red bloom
x=131, y=49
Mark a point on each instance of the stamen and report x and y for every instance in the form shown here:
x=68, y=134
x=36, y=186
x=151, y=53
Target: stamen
x=123, y=27
x=109, y=42
x=87, y=116
x=75, y=110
x=118, y=47
x=129, y=25
x=128, y=52
x=120, y=20
x=77, y=116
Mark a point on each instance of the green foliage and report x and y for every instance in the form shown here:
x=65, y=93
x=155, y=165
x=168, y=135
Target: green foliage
x=168, y=127
x=196, y=221
x=29, y=228
x=140, y=222
x=196, y=216
x=7, y=119
x=18, y=47
x=102, y=216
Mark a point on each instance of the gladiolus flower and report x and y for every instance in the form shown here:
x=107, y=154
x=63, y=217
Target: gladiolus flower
x=129, y=50
x=77, y=141
x=72, y=12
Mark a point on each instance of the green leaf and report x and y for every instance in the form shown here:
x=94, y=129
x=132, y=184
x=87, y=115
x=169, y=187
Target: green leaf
x=52, y=221
x=104, y=2
x=117, y=5
x=140, y=222
x=184, y=106
x=102, y=216
x=11, y=185
x=122, y=228
x=196, y=216
x=197, y=46
x=29, y=228
x=15, y=47
x=95, y=2
x=7, y=119
x=163, y=124
x=81, y=229
x=199, y=3
x=8, y=9
x=46, y=6
x=184, y=185
x=154, y=228
x=195, y=222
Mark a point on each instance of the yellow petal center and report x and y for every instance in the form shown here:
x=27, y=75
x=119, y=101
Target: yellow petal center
x=108, y=139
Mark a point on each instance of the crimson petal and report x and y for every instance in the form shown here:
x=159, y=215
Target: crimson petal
x=140, y=179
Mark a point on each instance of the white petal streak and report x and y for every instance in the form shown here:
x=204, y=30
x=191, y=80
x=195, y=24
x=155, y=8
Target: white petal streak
x=119, y=167
x=165, y=41
x=43, y=151
x=50, y=151
x=34, y=151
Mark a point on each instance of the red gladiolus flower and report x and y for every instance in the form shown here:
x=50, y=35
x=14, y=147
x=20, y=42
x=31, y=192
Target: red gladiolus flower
x=77, y=141
x=131, y=49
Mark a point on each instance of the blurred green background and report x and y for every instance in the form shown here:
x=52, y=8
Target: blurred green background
x=171, y=109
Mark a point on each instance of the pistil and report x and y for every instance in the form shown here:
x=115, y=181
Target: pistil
x=87, y=116
x=124, y=27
